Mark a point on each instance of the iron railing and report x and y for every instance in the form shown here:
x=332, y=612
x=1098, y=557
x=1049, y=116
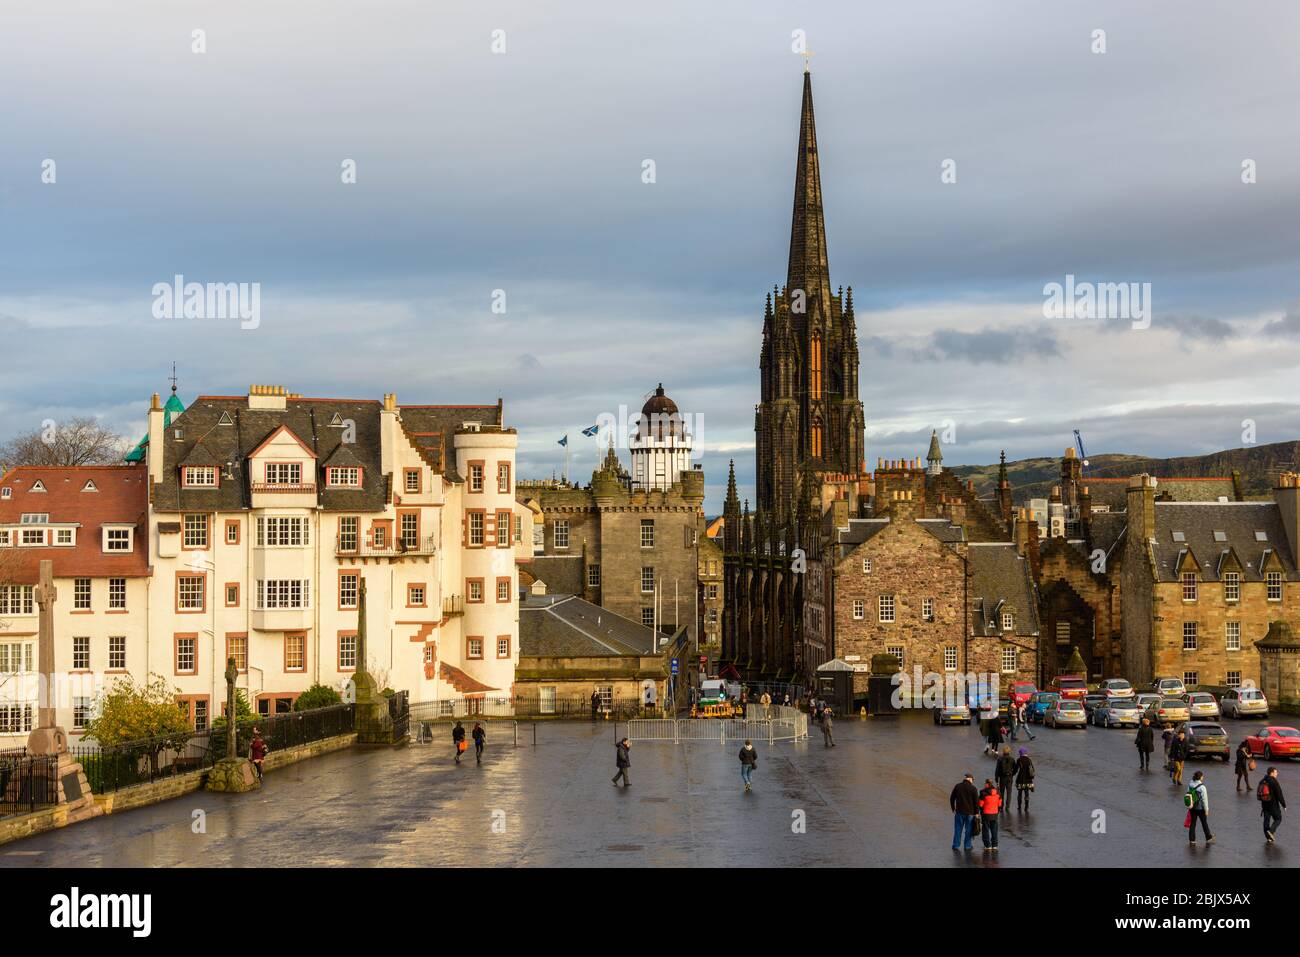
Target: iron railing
x=719, y=730
x=27, y=782
x=111, y=767
x=399, y=710
x=394, y=548
x=529, y=706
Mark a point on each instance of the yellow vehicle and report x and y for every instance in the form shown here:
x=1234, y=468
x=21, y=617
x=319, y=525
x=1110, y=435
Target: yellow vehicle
x=717, y=710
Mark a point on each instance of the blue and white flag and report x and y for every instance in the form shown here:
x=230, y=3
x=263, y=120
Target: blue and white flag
x=589, y=432
x=564, y=441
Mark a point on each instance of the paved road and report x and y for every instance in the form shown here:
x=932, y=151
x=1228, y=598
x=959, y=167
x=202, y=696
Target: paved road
x=879, y=798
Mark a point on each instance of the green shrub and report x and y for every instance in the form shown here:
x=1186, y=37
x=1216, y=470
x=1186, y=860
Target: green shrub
x=317, y=696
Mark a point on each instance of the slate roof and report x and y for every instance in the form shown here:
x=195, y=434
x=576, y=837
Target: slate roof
x=1113, y=492
x=565, y=626
x=861, y=530
x=121, y=497
x=1000, y=574
x=1237, y=521
x=204, y=439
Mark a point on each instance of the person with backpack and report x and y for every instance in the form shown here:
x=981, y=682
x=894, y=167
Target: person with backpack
x=990, y=804
x=1005, y=772
x=1024, y=780
x=1245, y=764
x=1271, y=802
x=748, y=761
x=1177, y=755
x=458, y=740
x=480, y=739
x=1145, y=743
x=1197, y=800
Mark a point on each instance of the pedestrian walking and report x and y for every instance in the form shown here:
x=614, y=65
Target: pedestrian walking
x=256, y=751
x=828, y=723
x=964, y=802
x=623, y=761
x=480, y=739
x=1271, y=802
x=995, y=736
x=1021, y=722
x=1245, y=764
x=595, y=704
x=787, y=699
x=1177, y=755
x=1005, y=773
x=766, y=702
x=1024, y=780
x=748, y=761
x=1197, y=800
x=1145, y=742
x=458, y=740
x=1167, y=736
x=990, y=803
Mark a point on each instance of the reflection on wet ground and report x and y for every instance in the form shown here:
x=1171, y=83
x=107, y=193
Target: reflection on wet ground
x=879, y=798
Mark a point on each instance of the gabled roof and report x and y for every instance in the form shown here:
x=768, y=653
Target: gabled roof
x=121, y=499
x=1000, y=580
x=1113, y=492
x=1241, y=524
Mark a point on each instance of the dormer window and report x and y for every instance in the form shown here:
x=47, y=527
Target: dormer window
x=1179, y=537
x=283, y=473
x=118, y=538
x=35, y=518
x=90, y=486
x=348, y=476
x=65, y=536
x=1189, y=586
x=6, y=538
x=37, y=486
x=1008, y=621
x=33, y=536
x=199, y=476
x=1261, y=536
x=7, y=493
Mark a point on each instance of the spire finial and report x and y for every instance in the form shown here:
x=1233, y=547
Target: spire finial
x=807, y=58
x=173, y=378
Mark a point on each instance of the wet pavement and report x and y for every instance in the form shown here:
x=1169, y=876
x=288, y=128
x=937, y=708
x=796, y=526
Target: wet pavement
x=879, y=798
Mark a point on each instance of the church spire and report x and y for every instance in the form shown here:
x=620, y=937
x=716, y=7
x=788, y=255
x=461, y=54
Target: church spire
x=808, y=269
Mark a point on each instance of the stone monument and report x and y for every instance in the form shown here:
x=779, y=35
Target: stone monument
x=232, y=773
x=1279, y=664
x=48, y=738
x=373, y=723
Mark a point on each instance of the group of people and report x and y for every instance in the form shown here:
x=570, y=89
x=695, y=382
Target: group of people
x=996, y=730
x=458, y=742
x=1197, y=797
x=977, y=810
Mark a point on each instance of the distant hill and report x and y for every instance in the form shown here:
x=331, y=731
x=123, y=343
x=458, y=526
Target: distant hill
x=1259, y=466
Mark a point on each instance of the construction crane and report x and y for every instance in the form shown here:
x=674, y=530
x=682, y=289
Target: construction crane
x=1078, y=442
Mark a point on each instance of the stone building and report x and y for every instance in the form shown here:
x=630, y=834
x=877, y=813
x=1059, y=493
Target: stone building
x=1203, y=581
x=712, y=585
x=618, y=544
x=918, y=589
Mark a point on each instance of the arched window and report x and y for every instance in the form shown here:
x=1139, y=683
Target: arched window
x=815, y=369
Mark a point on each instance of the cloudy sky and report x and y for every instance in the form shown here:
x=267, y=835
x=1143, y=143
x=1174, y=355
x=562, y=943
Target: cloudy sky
x=521, y=171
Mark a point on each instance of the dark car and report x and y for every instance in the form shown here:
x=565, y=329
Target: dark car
x=1091, y=702
x=1205, y=739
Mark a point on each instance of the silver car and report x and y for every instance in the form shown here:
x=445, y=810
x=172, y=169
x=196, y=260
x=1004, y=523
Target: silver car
x=1240, y=702
x=1067, y=712
x=1202, y=706
x=1118, y=713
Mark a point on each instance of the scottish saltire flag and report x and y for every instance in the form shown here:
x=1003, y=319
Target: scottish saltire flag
x=563, y=441
x=591, y=431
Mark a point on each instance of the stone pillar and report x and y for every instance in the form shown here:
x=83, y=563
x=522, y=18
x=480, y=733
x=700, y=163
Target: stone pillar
x=48, y=738
x=373, y=723
x=232, y=773
x=1279, y=664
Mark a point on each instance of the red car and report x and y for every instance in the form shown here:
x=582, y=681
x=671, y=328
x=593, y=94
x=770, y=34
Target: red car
x=1069, y=686
x=1274, y=742
x=1021, y=692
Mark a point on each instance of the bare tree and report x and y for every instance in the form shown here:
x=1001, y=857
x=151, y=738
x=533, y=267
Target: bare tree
x=76, y=441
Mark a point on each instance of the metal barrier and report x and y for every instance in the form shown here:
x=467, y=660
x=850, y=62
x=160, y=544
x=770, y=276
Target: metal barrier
x=719, y=730
x=437, y=731
x=27, y=782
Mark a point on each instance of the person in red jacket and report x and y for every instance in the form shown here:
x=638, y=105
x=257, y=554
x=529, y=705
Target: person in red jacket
x=990, y=805
x=257, y=752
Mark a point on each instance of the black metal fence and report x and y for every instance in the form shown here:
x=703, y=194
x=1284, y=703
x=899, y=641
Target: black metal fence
x=399, y=710
x=27, y=782
x=110, y=767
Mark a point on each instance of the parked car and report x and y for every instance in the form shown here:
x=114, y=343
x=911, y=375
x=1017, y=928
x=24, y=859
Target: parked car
x=1116, y=688
x=1117, y=713
x=1145, y=699
x=952, y=714
x=1064, y=713
x=1274, y=742
x=1240, y=702
x=1205, y=739
x=1069, y=686
x=1021, y=692
x=1202, y=706
x=1090, y=703
x=1168, y=712
x=1039, y=704
x=1169, y=687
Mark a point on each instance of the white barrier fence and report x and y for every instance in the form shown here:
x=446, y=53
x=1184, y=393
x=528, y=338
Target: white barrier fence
x=720, y=730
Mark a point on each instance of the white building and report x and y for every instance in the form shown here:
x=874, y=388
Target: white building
x=661, y=448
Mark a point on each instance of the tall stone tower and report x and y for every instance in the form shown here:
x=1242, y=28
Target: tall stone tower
x=809, y=420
